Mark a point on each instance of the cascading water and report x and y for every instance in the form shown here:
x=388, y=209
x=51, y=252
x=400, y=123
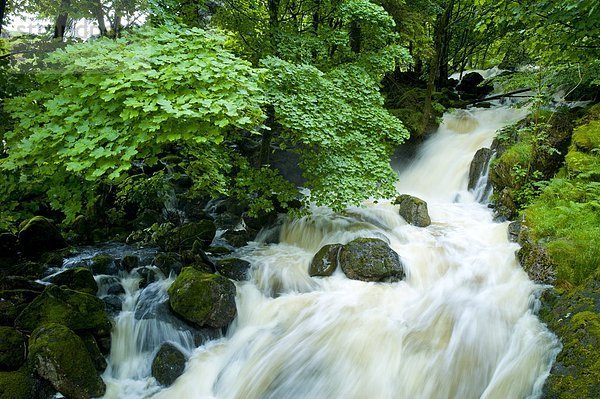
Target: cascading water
x=461, y=325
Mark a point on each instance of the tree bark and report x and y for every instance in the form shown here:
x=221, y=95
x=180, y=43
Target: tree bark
x=2, y=10
x=60, y=25
x=267, y=137
x=99, y=14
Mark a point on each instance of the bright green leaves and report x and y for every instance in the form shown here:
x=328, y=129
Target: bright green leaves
x=102, y=104
x=336, y=121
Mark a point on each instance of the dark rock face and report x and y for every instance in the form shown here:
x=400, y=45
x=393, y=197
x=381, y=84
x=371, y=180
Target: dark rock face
x=413, y=210
x=76, y=310
x=535, y=260
x=148, y=276
x=183, y=237
x=9, y=245
x=40, y=235
x=60, y=356
x=233, y=268
x=325, y=261
x=168, y=262
x=78, y=279
x=104, y=264
x=370, y=259
x=469, y=86
x=239, y=238
x=168, y=364
x=130, y=262
x=12, y=349
x=94, y=351
x=479, y=166
x=203, y=299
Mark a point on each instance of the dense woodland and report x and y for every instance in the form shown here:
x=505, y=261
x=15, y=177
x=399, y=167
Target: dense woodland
x=248, y=100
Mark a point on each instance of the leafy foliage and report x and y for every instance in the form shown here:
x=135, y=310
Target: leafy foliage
x=336, y=121
x=102, y=105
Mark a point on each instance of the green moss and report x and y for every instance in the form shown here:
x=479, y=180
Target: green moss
x=587, y=137
x=15, y=385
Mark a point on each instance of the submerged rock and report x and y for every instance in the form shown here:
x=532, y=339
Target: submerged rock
x=370, y=259
x=325, y=260
x=39, y=235
x=78, y=279
x=203, y=299
x=168, y=364
x=233, y=268
x=74, y=309
x=60, y=356
x=413, y=210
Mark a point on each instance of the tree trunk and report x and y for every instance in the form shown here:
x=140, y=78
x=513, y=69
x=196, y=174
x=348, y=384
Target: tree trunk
x=267, y=137
x=2, y=8
x=60, y=25
x=355, y=37
x=99, y=14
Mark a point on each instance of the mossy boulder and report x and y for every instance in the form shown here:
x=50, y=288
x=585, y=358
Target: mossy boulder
x=130, y=262
x=413, y=210
x=234, y=268
x=183, y=237
x=574, y=315
x=104, y=264
x=12, y=349
x=39, y=235
x=239, y=238
x=78, y=279
x=12, y=303
x=23, y=384
x=168, y=262
x=325, y=261
x=203, y=299
x=534, y=259
x=60, y=356
x=370, y=259
x=91, y=345
x=168, y=364
x=77, y=310
x=586, y=138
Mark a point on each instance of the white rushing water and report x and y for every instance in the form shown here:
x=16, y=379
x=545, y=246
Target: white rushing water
x=460, y=326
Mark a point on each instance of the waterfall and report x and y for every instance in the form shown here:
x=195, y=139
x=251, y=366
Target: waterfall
x=461, y=325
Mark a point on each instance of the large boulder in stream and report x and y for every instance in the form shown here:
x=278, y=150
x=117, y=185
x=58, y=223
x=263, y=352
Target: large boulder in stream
x=203, y=299
x=413, y=210
x=479, y=166
x=77, y=310
x=39, y=235
x=59, y=356
x=233, y=268
x=78, y=279
x=470, y=86
x=325, y=261
x=168, y=364
x=370, y=259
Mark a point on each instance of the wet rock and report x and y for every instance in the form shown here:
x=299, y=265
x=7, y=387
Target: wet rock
x=94, y=351
x=203, y=299
x=413, y=210
x=167, y=263
x=148, y=276
x=40, y=235
x=60, y=356
x=78, y=279
x=183, y=237
x=233, y=268
x=479, y=166
x=514, y=229
x=130, y=262
x=9, y=245
x=12, y=349
x=239, y=238
x=74, y=309
x=114, y=304
x=103, y=264
x=470, y=86
x=23, y=384
x=168, y=364
x=20, y=283
x=115, y=289
x=535, y=259
x=325, y=261
x=370, y=259
x=12, y=303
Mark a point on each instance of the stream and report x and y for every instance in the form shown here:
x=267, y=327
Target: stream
x=461, y=325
